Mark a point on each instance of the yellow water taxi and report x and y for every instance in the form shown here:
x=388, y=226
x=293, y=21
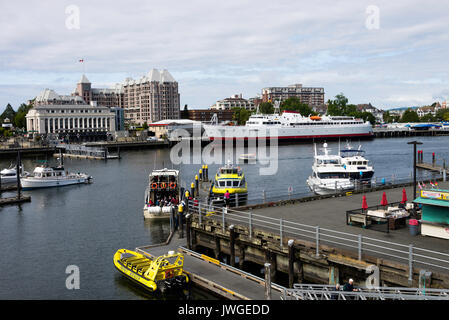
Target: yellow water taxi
x=152, y=273
x=232, y=179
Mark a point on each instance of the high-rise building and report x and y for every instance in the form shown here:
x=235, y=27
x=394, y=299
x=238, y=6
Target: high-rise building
x=152, y=98
x=312, y=96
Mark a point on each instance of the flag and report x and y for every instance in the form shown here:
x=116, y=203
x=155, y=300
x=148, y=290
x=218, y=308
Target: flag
x=81, y=60
x=419, y=185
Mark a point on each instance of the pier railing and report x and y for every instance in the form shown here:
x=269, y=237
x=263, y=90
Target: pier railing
x=361, y=245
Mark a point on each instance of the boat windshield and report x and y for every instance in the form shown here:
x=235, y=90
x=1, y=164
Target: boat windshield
x=328, y=161
x=228, y=183
x=333, y=175
x=229, y=171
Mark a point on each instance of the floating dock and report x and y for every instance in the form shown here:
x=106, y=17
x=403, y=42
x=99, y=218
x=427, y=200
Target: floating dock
x=14, y=200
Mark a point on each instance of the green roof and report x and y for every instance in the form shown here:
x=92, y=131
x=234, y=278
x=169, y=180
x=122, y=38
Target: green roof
x=433, y=202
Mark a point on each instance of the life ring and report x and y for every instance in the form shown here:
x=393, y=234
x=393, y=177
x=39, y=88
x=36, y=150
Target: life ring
x=154, y=185
x=172, y=185
x=163, y=185
x=169, y=274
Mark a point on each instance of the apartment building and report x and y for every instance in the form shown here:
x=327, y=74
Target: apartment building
x=312, y=96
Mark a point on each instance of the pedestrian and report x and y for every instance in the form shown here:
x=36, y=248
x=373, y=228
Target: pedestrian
x=334, y=295
x=349, y=286
x=226, y=198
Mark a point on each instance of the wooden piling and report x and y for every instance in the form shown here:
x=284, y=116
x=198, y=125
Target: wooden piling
x=232, y=244
x=291, y=260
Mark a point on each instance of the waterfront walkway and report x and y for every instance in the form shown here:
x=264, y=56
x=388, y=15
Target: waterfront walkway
x=213, y=275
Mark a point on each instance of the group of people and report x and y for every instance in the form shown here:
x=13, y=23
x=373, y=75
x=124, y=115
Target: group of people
x=163, y=201
x=348, y=287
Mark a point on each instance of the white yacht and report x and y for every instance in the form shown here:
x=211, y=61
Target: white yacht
x=44, y=176
x=328, y=174
x=10, y=175
x=356, y=164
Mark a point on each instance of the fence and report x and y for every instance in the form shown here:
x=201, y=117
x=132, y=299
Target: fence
x=407, y=254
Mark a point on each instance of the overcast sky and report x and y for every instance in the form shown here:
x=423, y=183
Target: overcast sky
x=218, y=48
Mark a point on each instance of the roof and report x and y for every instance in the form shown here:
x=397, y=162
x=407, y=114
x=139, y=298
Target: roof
x=84, y=79
x=174, y=121
x=153, y=76
x=434, y=202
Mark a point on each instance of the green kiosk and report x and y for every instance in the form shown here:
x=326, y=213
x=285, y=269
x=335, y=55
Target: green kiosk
x=435, y=213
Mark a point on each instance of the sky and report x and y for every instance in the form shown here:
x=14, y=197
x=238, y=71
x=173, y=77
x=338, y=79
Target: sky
x=387, y=53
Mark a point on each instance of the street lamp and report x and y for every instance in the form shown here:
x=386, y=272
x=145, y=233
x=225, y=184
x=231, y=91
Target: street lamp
x=414, y=165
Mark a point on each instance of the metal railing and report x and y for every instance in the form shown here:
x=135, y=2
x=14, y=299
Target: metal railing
x=409, y=255
x=328, y=292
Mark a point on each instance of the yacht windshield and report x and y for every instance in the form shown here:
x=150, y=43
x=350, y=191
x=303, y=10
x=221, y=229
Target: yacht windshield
x=333, y=175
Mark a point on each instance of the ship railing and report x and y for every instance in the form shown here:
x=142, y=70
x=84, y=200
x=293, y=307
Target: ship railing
x=357, y=244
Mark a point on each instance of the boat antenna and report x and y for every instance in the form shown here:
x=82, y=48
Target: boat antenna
x=276, y=106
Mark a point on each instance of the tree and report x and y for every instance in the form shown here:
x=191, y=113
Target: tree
x=19, y=119
x=427, y=118
x=409, y=115
x=8, y=113
x=294, y=104
x=241, y=115
x=145, y=126
x=368, y=116
x=337, y=107
x=266, y=108
x=442, y=115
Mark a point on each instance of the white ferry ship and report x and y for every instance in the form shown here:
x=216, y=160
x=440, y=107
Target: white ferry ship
x=291, y=125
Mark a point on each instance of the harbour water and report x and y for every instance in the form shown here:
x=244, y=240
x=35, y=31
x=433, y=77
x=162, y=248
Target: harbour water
x=84, y=225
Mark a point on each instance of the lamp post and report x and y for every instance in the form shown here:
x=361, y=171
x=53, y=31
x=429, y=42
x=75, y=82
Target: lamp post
x=414, y=143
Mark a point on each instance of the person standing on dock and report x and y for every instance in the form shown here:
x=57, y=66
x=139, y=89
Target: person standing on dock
x=226, y=198
x=349, y=286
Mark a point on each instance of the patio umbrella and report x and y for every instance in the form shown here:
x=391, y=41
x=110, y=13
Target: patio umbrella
x=384, y=201
x=364, y=204
x=404, y=196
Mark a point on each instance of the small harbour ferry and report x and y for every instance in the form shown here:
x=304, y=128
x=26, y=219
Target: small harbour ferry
x=328, y=174
x=10, y=175
x=44, y=176
x=232, y=179
x=356, y=164
x=152, y=273
x=162, y=194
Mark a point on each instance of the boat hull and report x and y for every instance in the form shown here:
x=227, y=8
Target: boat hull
x=322, y=189
x=29, y=183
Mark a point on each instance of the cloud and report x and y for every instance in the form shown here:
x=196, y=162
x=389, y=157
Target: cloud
x=215, y=49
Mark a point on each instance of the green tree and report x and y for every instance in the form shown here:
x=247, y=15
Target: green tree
x=337, y=107
x=145, y=126
x=409, y=115
x=241, y=115
x=442, y=115
x=294, y=104
x=8, y=113
x=19, y=119
x=367, y=116
x=266, y=108
x=427, y=118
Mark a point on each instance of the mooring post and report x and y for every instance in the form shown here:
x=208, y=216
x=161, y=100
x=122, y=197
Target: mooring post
x=317, y=241
x=232, y=244
x=18, y=174
x=223, y=218
x=250, y=224
x=188, y=231
x=197, y=185
x=291, y=260
x=267, y=281
x=410, y=264
x=360, y=247
x=181, y=224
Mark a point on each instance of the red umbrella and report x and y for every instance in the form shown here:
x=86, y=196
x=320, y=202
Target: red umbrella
x=364, y=204
x=404, y=196
x=384, y=201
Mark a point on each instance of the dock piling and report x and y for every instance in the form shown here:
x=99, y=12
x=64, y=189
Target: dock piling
x=188, y=231
x=291, y=260
x=317, y=241
x=18, y=165
x=267, y=281
x=232, y=244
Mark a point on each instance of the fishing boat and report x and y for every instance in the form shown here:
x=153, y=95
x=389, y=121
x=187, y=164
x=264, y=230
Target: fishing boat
x=232, y=179
x=44, y=176
x=10, y=175
x=150, y=272
x=328, y=174
x=162, y=194
x=356, y=164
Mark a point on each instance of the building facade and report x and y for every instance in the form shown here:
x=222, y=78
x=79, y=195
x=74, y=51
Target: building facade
x=236, y=101
x=312, y=96
x=69, y=117
x=152, y=98
x=205, y=115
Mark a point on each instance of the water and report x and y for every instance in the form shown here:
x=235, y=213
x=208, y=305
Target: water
x=84, y=225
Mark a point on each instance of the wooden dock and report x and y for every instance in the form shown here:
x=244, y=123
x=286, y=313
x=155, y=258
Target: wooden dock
x=14, y=200
x=210, y=274
x=430, y=167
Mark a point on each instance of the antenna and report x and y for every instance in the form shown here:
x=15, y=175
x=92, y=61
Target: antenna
x=276, y=106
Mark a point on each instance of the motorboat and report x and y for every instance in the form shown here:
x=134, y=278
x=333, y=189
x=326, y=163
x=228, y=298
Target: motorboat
x=356, y=164
x=328, y=174
x=232, y=179
x=10, y=175
x=44, y=176
x=162, y=194
x=152, y=273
